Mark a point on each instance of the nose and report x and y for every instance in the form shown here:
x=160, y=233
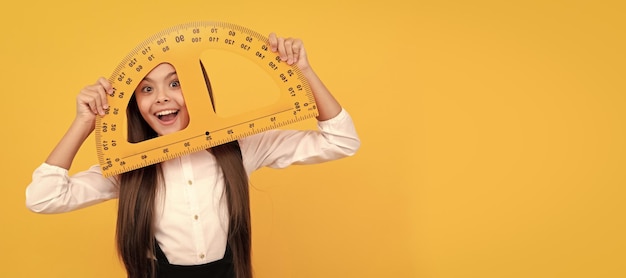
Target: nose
x=162, y=96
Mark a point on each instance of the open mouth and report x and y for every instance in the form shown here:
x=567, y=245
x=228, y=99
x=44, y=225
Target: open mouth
x=167, y=115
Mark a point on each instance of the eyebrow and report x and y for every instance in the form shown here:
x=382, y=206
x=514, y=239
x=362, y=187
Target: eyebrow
x=167, y=76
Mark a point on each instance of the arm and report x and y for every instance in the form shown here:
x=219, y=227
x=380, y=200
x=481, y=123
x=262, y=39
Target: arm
x=335, y=138
x=90, y=102
x=52, y=190
x=292, y=52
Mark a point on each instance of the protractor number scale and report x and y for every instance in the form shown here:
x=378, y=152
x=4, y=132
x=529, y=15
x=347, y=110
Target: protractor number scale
x=183, y=46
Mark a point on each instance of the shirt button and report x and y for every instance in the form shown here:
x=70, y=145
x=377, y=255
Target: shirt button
x=189, y=182
x=201, y=256
x=195, y=217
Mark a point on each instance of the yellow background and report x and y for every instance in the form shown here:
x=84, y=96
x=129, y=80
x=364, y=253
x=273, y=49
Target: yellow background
x=493, y=136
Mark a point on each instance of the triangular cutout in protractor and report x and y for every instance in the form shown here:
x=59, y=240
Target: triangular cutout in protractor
x=235, y=61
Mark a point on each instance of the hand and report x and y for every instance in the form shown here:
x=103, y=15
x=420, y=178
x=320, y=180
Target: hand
x=290, y=50
x=92, y=101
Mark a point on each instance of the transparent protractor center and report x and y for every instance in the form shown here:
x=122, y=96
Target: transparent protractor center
x=238, y=85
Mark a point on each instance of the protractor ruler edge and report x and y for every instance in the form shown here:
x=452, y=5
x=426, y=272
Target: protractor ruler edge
x=182, y=46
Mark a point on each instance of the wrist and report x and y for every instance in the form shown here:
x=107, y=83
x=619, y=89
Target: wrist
x=307, y=72
x=83, y=126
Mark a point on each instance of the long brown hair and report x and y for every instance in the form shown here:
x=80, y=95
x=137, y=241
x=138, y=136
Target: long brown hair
x=138, y=188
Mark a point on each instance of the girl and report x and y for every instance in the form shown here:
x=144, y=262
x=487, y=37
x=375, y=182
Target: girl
x=188, y=216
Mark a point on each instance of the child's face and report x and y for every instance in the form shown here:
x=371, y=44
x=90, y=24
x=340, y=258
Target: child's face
x=160, y=100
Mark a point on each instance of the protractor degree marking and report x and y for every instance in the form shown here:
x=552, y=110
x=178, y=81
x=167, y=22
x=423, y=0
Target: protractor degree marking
x=268, y=115
x=160, y=147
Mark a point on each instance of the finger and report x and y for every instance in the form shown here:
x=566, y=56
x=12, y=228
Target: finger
x=94, y=96
x=85, y=99
x=282, y=53
x=95, y=99
x=273, y=42
x=94, y=104
x=297, y=48
x=106, y=84
x=289, y=50
x=104, y=89
x=101, y=100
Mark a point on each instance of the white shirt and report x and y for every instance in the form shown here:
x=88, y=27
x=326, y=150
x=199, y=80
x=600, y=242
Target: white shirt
x=191, y=215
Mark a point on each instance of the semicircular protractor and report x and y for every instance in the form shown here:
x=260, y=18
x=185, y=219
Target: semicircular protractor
x=267, y=93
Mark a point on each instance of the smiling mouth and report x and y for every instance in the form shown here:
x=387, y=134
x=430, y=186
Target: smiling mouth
x=166, y=115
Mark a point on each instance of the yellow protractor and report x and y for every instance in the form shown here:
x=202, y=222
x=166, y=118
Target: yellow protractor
x=184, y=46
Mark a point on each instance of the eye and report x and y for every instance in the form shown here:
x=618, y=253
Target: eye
x=175, y=83
x=146, y=89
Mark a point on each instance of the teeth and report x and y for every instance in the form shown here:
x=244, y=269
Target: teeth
x=166, y=112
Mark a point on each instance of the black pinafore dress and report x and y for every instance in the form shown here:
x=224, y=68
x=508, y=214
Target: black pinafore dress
x=223, y=268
